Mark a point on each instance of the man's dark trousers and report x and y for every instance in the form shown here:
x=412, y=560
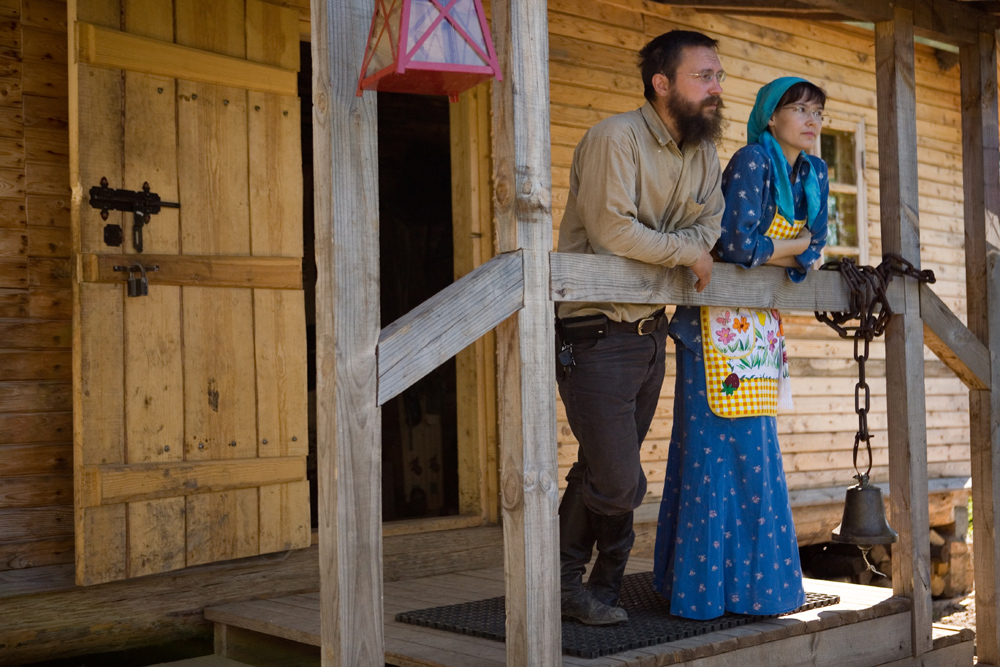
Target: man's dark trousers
x=610, y=395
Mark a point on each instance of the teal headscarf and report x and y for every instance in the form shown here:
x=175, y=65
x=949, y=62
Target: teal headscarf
x=758, y=133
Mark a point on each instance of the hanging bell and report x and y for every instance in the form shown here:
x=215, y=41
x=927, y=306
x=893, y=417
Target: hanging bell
x=864, y=522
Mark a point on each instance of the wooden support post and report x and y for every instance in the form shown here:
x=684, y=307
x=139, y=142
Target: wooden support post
x=347, y=331
x=904, y=339
x=981, y=181
x=528, y=485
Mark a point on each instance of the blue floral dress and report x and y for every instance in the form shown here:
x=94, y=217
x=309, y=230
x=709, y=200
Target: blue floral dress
x=725, y=539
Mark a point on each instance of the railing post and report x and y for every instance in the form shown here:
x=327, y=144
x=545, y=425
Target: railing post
x=526, y=364
x=981, y=183
x=904, y=338
x=349, y=432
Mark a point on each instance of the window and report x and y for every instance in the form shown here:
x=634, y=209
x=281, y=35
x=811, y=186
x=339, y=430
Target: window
x=841, y=145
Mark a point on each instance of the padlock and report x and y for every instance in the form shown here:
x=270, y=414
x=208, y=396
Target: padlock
x=137, y=286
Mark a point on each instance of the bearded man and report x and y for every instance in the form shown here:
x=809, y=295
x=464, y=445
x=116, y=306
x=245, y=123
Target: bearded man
x=644, y=185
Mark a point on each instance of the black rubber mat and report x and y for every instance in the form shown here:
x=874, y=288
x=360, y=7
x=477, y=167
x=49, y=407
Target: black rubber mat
x=649, y=621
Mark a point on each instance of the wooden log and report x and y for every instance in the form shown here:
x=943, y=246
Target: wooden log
x=345, y=159
x=982, y=238
x=904, y=334
x=448, y=322
x=529, y=487
x=38, y=553
x=578, y=277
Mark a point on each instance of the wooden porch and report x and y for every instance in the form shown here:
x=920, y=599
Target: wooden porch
x=360, y=365
x=869, y=626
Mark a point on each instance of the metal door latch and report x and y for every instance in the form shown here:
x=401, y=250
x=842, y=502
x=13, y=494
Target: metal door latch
x=143, y=205
x=137, y=286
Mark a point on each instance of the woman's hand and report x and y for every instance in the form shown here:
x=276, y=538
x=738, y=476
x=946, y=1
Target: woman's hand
x=786, y=250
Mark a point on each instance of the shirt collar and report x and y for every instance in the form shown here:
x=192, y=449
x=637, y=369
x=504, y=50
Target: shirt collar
x=659, y=130
x=655, y=125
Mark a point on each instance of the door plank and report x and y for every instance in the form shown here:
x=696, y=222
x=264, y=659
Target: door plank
x=216, y=26
x=100, y=149
x=222, y=526
x=151, y=157
x=100, y=392
x=100, y=532
x=275, y=175
x=284, y=517
x=282, y=404
x=154, y=381
x=219, y=393
x=155, y=536
x=212, y=125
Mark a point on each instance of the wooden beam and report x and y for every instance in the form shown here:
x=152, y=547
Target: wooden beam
x=577, y=277
x=349, y=448
x=197, y=270
x=114, y=49
x=904, y=344
x=981, y=185
x=528, y=483
x=448, y=322
x=952, y=342
x=115, y=483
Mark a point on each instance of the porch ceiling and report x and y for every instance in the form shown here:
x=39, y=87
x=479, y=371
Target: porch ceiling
x=953, y=21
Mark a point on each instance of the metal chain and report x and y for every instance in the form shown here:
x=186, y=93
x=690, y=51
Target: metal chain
x=869, y=304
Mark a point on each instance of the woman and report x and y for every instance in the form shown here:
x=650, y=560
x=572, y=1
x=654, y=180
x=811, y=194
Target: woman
x=725, y=540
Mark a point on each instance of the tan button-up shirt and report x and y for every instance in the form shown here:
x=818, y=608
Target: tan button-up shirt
x=634, y=193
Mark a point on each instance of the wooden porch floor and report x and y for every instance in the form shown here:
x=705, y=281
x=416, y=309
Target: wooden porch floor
x=869, y=627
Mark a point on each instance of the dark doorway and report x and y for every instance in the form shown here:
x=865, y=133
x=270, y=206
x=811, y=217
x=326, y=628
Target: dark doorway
x=419, y=437
x=419, y=427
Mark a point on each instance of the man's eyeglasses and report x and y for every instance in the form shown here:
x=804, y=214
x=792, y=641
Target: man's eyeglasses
x=707, y=75
x=802, y=111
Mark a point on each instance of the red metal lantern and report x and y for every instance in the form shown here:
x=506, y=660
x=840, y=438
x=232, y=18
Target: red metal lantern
x=424, y=46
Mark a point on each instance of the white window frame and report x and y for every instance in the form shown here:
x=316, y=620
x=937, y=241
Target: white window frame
x=858, y=188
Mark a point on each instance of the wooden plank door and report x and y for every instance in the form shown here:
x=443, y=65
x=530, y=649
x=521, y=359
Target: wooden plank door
x=190, y=432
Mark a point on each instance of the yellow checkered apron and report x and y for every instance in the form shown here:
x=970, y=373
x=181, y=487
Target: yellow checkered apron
x=730, y=393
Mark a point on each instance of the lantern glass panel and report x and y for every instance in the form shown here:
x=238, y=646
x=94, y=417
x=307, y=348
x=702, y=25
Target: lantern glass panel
x=386, y=38
x=445, y=44
x=464, y=13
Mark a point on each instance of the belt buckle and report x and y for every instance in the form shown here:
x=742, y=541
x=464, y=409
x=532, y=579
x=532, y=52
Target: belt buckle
x=641, y=323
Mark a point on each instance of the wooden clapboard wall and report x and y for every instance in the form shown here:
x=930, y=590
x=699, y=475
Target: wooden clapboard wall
x=36, y=434
x=593, y=75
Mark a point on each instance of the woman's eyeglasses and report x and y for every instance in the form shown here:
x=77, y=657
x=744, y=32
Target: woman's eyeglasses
x=802, y=111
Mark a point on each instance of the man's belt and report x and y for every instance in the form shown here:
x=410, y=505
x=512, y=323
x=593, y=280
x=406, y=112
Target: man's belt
x=589, y=327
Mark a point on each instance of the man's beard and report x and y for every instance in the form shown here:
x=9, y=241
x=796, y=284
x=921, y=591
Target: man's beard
x=692, y=123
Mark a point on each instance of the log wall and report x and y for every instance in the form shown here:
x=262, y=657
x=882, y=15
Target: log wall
x=593, y=75
x=36, y=451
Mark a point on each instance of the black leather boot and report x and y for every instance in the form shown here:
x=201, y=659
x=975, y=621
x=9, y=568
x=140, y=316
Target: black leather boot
x=615, y=537
x=576, y=545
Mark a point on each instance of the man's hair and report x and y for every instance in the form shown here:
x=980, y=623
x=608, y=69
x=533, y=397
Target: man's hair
x=664, y=53
x=803, y=91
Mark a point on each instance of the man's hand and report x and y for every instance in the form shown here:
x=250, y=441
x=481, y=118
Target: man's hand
x=703, y=271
